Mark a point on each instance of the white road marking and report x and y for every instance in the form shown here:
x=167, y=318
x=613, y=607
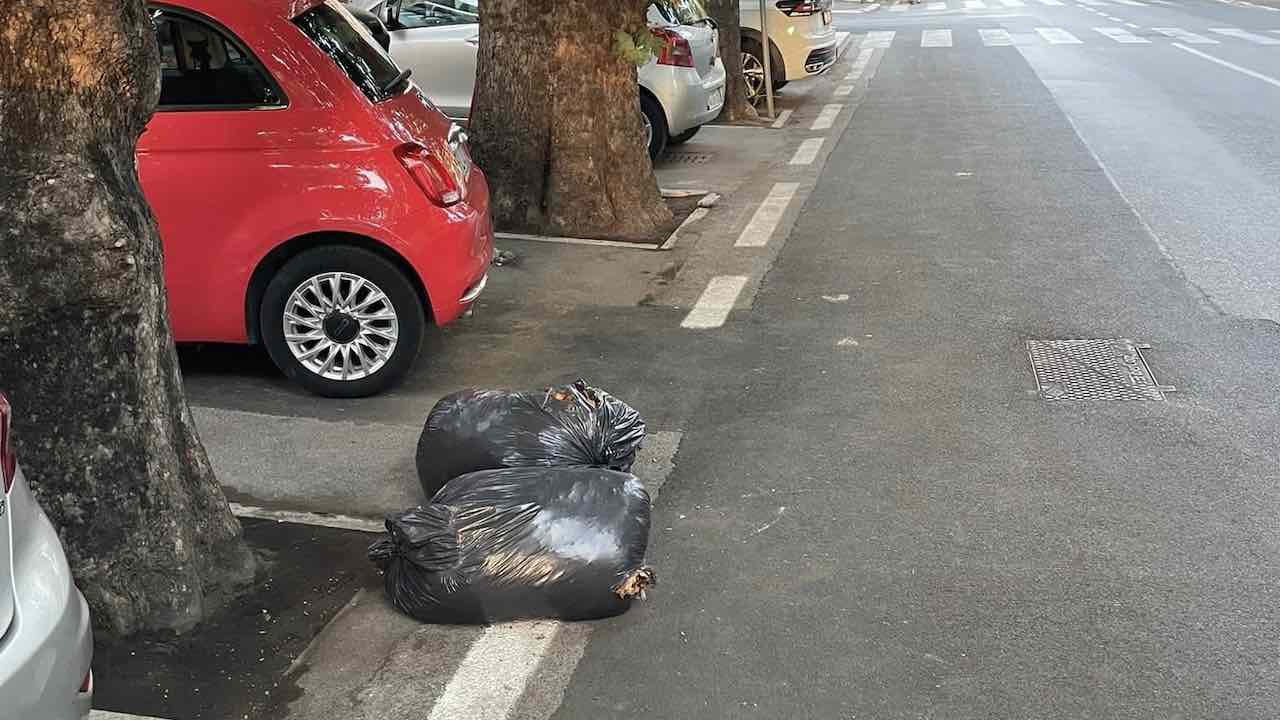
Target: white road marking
x=1113, y=18
x=494, y=672
x=898, y=8
x=1058, y=36
x=807, y=152
x=827, y=117
x=1185, y=36
x=1244, y=35
x=711, y=310
x=1134, y=3
x=937, y=6
x=1242, y=70
x=995, y=38
x=974, y=5
x=104, y=715
x=1014, y=3
x=859, y=65
x=1121, y=35
x=879, y=39
x=342, y=522
x=843, y=90
x=783, y=117
x=1135, y=26
x=935, y=38
x=766, y=218
x=1052, y=3
x=1093, y=3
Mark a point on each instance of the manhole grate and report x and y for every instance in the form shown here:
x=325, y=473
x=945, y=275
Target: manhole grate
x=688, y=157
x=1107, y=369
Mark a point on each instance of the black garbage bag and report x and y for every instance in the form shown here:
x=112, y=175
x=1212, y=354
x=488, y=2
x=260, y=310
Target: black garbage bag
x=568, y=426
x=496, y=545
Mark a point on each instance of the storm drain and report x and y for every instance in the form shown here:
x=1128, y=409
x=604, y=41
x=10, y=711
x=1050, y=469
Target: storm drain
x=1105, y=369
x=688, y=157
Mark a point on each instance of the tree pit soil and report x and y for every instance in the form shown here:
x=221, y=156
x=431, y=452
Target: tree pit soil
x=681, y=208
x=233, y=665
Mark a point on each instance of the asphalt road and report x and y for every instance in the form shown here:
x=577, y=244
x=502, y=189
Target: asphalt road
x=873, y=511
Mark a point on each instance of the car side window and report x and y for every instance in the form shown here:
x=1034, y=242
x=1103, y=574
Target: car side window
x=202, y=67
x=434, y=13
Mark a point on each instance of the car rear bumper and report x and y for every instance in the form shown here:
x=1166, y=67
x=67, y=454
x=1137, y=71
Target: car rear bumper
x=46, y=652
x=452, y=257
x=799, y=49
x=688, y=99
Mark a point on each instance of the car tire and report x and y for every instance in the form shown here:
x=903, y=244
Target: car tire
x=684, y=137
x=655, y=121
x=355, y=321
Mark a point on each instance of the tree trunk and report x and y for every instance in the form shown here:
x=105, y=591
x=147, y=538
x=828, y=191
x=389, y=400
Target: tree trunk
x=736, y=106
x=103, y=430
x=555, y=120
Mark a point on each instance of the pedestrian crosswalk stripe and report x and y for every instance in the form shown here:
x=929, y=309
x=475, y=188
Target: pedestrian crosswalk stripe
x=1185, y=36
x=1121, y=35
x=1244, y=35
x=974, y=5
x=995, y=38
x=879, y=39
x=935, y=38
x=1057, y=36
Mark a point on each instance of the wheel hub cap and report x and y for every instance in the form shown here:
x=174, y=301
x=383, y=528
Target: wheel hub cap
x=340, y=326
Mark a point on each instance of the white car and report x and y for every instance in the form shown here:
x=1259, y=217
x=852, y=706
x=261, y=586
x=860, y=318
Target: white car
x=802, y=37
x=46, y=643
x=681, y=88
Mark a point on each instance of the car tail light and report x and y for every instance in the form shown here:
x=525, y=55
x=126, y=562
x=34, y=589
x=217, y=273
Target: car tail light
x=799, y=7
x=436, y=169
x=86, y=685
x=675, y=48
x=8, y=460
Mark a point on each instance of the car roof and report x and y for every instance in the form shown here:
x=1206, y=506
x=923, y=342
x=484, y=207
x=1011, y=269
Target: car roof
x=286, y=9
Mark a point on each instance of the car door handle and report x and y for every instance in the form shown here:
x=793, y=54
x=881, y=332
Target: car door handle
x=474, y=41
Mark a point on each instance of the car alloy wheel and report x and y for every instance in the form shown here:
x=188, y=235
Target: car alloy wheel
x=753, y=74
x=648, y=130
x=340, y=326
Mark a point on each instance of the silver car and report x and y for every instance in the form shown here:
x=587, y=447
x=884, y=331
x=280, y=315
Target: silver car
x=681, y=88
x=46, y=643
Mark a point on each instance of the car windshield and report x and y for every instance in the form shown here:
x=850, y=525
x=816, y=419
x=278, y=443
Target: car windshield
x=425, y=13
x=349, y=43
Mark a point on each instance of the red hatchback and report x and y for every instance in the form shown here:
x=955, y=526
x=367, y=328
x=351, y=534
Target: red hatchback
x=309, y=196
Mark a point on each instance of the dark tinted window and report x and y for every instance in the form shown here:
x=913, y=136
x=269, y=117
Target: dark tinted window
x=352, y=47
x=201, y=66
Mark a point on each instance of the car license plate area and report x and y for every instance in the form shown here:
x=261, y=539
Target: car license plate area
x=715, y=99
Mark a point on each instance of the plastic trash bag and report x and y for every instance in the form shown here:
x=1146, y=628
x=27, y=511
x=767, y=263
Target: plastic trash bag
x=568, y=426
x=496, y=545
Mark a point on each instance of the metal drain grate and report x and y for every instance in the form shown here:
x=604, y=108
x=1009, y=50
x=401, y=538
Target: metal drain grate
x=688, y=157
x=1107, y=369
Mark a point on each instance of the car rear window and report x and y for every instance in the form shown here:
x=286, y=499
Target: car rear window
x=351, y=46
x=685, y=12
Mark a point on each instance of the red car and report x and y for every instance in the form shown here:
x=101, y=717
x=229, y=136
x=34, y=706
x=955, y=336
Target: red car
x=309, y=196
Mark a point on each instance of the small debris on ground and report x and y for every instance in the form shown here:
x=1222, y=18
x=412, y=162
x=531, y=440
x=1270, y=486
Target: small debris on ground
x=503, y=257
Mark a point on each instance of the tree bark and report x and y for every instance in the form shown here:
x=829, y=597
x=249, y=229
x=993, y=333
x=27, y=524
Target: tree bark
x=736, y=106
x=103, y=431
x=555, y=120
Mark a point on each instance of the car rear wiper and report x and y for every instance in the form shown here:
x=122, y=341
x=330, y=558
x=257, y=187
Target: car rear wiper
x=396, y=81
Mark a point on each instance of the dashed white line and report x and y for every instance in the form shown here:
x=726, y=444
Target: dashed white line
x=1242, y=70
x=859, y=65
x=1244, y=35
x=995, y=37
x=1057, y=36
x=783, y=117
x=1014, y=3
x=495, y=671
x=974, y=5
x=807, y=152
x=1053, y=3
x=1135, y=26
x=1134, y=3
x=937, y=6
x=827, y=117
x=935, y=38
x=766, y=218
x=1186, y=37
x=1121, y=35
x=879, y=39
x=710, y=311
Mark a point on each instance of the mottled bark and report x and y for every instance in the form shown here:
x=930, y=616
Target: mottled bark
x=103, y=430
x=555, y=120
x=736, y=106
